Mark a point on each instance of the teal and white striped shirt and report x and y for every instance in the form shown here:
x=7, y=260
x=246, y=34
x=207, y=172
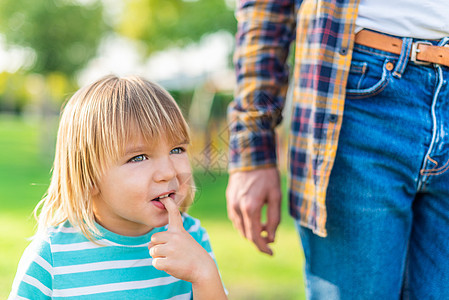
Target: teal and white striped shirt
x=65, y=264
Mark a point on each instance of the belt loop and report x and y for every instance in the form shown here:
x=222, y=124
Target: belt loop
x=444, y=41
x=403, y=58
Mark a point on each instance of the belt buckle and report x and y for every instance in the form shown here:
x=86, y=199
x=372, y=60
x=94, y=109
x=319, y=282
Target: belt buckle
x=415, y=51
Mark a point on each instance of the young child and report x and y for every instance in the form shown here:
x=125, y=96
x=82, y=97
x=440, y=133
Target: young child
x=109, y=226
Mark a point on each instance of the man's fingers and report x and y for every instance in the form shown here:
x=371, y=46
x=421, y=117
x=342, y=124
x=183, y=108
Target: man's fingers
x=251, y=232
x=174, y=217
x=254, y=229
x=273, y=214
x=262, y=243
x=246, y=194
x=235, y=215
x=234, y=212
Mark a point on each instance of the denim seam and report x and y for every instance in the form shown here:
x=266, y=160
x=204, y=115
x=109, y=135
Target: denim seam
x=439, y=171
x=425, y=173
x=359, y=70
x=371, y=94
x=379, y=89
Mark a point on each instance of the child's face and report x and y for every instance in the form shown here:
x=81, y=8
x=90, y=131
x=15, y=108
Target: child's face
x=125, y=201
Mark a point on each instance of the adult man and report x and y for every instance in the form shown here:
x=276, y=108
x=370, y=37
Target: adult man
x=372, y=213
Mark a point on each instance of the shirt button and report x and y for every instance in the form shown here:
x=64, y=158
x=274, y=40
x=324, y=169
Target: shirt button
x=333, y=118
x=343, y=51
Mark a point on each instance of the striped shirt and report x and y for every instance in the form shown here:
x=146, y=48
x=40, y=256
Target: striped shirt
x=324, y=34
x=66, y=265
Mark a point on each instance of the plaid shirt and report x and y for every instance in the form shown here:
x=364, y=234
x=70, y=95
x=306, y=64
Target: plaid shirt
x=324, y=33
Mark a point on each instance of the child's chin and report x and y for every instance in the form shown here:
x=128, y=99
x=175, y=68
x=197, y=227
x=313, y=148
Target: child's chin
x=161, y=222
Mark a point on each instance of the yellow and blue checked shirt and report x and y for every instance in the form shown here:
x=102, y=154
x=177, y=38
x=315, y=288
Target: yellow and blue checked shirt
x=324, y=34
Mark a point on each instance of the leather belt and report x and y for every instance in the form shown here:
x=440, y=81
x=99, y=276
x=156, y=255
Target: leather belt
x=422, y=52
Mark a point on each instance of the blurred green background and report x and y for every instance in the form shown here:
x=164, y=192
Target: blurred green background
x=247, y=274
x=49, y=48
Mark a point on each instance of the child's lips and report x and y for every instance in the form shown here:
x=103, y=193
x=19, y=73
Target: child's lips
x=156, y=201
x=158, y=204
x=170, y=194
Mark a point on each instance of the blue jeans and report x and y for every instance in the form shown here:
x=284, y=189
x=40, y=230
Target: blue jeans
x=388, y=195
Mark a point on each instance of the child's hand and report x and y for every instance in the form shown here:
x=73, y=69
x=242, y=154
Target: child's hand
x=176, y=252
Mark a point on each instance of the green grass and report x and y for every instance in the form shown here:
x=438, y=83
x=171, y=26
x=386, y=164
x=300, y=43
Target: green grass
x=247, y=274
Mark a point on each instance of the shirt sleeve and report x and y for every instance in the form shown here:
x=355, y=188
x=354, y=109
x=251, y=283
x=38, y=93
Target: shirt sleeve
x=265, y=32
x=33, y=279
x=193, y=226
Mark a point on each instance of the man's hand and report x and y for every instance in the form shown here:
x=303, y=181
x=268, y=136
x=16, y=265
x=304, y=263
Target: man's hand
x=246, y=194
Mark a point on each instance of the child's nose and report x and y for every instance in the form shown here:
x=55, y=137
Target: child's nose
x=165, y=170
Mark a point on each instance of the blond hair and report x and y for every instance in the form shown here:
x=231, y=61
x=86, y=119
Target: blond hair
x=94, y=127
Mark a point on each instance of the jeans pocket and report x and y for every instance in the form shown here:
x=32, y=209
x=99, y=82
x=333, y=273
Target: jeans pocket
x=367, y=79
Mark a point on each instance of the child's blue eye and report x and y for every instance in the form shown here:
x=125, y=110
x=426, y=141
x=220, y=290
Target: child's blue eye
x=178, y=150
x=138, y=158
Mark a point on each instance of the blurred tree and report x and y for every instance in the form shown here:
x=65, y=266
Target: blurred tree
x=63, y=34
x=168, y=23
x=13, y=93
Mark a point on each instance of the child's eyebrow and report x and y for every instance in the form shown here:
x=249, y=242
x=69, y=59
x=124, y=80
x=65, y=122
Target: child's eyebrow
x=183, y=142
x=135, y=149
x=142, y=148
